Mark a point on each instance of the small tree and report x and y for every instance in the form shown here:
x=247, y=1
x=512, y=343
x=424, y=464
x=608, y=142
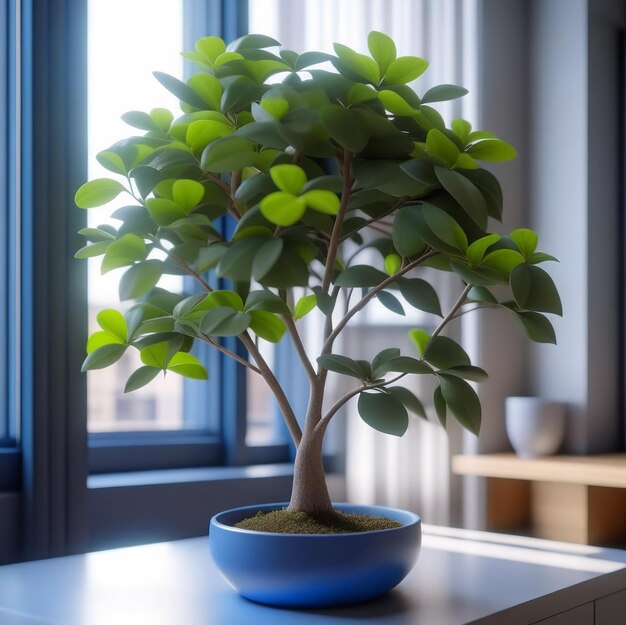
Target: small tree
x=279, y=187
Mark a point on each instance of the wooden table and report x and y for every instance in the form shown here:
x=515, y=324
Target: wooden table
x=579, y=499
x=461, y=577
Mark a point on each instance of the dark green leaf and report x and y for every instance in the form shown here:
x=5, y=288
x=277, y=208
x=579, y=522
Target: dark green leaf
x=476, y=374
x=251, y=42
x=465, y=193
x=403, y=364
x=267, y=301
x=345, y=127
x=441, y=93
x=443, y=352
x=381, y=358
x=103, y=357
x=384, y=413
x=358, y=64
x=489, y=186
x=406, y=232
x=266, y=257
x=440, y=406
x=420, y=294
x=360, y=275
x=462, y=401
x=534, y=290
x=408, y=399
x=535, y=326
x=182, y=91
x=344, y=365
x=141, y=377
x=390, y=302
x=224, y=321
x=229, y=154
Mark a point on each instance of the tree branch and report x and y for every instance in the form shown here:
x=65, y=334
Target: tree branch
x=190, y=270
x=227, y=352
x=453, y=310
x=370, y=294
x=297, y=341
x=371, y=221
x=275, y=387
x=335, y=237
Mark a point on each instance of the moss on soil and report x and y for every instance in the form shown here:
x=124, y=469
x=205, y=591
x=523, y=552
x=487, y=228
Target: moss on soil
x=285, y=522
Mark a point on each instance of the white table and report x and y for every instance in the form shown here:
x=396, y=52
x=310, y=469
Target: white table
x=461, y=577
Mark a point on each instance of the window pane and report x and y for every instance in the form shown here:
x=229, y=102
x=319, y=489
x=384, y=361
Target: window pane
x=127, y=42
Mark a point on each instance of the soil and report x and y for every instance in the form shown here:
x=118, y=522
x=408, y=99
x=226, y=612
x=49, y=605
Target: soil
x=286, y=522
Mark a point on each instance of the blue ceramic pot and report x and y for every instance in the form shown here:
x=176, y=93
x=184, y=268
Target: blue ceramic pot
x=314, y=570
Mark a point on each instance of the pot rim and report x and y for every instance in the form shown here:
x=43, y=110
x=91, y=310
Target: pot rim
x=413, y=520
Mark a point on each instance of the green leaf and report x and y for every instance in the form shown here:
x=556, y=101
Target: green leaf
x=441, y=93
x=204, y=131
x=476, y=374
x=420, y=294
x=89, y=251
x=225, y=322
x=282, y=209
x=187, y=365
x=162, y=118
x=103, y=357
x=462, y=129
x=464, y=192
x=159, y=354
x=393, y=263
x=465, y=161
x=346, y=128
x=306, y=59
x=462, y=401
x=140, y=279
x=182, y=91
x=503, y=261
x=229, y=154
x=211, y=47
x=382, y=48
x=491, y=150
x=404, y=364
x=440, y=406
x=359, y=64
x=408, y=399
x=420, y=339
x=113, y=322
x=267, y=326
x=266, y=257
x=251, y=42
x=97, y=192
x=223, y=297
x=395, y=103
x=535, y=326
x=98, y=234
x=477, y=249
x=112, y=161
x=421, y=170
x=141, y=377
x=305, y=305
x=124, y=251
x=533, y=289
x=288, y=178
x=208, y=88
x=444, y=228
x=322, y=201
x=405, y=69
x=99, y=339
x=344, y=365
x=540, y=257
x=381, y=358
x=439, y=145
x=266, y=300
x=384, y=413
x=139, y=119
x=276, y=107
x=360, y=93
x=443, y=352
x=406, y=232
x=163, y=211
x=489, y=186
x=360, y=275
x=391, y=302
x=187, y=194
x=526, y=240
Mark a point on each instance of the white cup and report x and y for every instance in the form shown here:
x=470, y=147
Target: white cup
x=534, y=426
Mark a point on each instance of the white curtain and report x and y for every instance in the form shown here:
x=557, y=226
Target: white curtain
x=412, y=472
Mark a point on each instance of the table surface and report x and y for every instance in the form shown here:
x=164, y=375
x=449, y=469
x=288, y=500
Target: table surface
x=461, y=577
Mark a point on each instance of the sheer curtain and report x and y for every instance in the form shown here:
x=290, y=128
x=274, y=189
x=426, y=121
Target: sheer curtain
x=412, y=472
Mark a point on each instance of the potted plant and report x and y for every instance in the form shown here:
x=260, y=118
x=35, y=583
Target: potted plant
x=327, y=191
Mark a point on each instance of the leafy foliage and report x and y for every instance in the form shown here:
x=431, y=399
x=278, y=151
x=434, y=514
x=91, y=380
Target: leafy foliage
x=276, y=188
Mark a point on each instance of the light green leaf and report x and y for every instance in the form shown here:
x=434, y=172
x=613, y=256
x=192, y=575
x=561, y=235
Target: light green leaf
x=89, y=251
x=211, y=47
x=382, y=48
x=465, y=161
x=526, y=240
x=288, y=178
x=99, y=339
x=140, y=279
x=462, y=129
x=359, y=64
x=112, y=161
x=164, y=212
x=187, y=194
x=420, y=339
x=393, y=262
x=267, y=326
x=395, y=103
x=224, y=298
x=229, y=154
x=440, y=146
x=360, y=93
x=187, y=365
x=98, y=192
x=503, y=261
x=126, y=250
x=384, y=413
x=141, y=377
x=203, y=131
x=282, y=209
x=491, y=150
x=113, y=322
x=322, y=201
x=208, y=88
x=477, y=249
x=305, y=305
x=162, y=118
x=276, y=107
x=405, y=69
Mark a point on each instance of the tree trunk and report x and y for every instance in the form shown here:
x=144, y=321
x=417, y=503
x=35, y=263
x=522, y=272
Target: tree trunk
x=310, y=492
